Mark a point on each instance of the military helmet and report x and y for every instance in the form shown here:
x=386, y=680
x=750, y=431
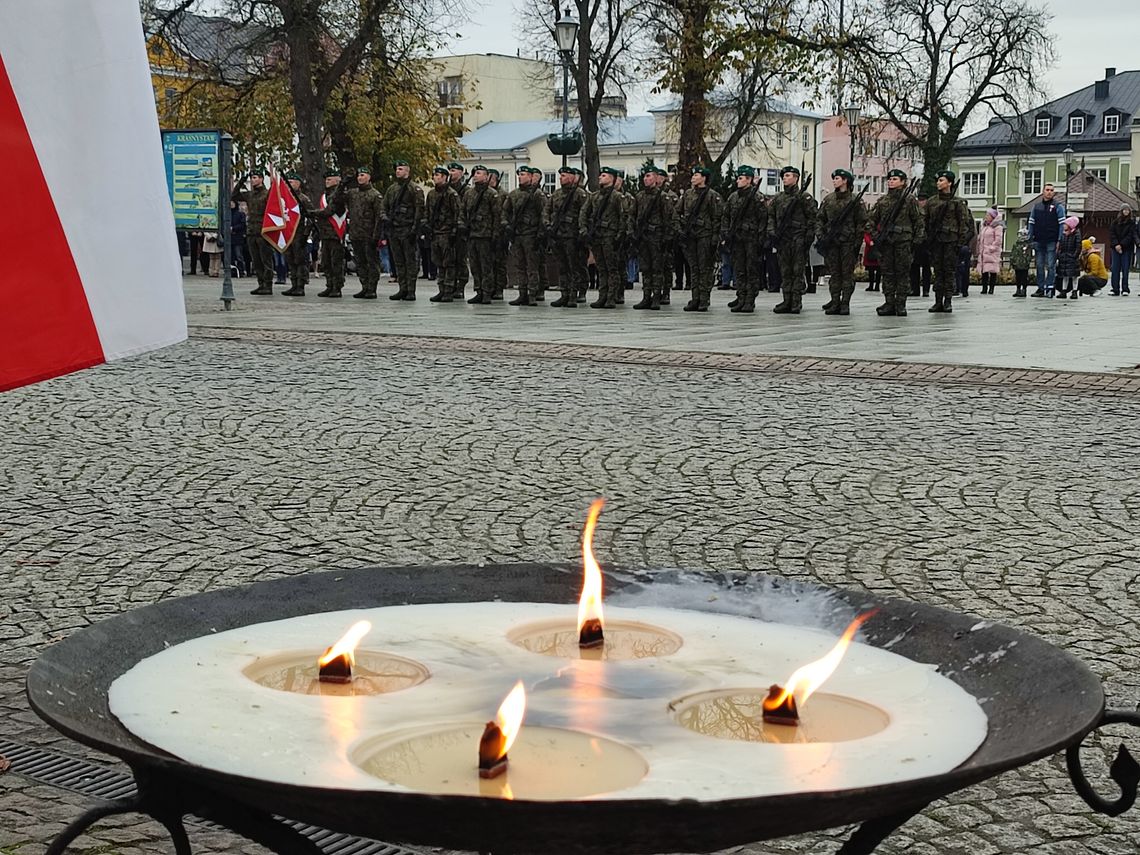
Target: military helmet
x=897, y=173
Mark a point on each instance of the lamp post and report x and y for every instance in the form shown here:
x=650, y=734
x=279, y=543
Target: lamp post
x=1068, y=155
x=226, y=155
x=565, y=36
x=852, y=116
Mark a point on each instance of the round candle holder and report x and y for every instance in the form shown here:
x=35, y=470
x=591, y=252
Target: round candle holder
x=544, y=763
x=624, y=639
x=374, y=673
x=738, y=714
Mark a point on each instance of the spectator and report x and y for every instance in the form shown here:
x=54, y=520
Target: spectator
x=1045, y=224
x=1068, y=259
x=1092, y=265
x=237, y=239
x=871, y=265
x=1019, y=260
x=212, y=250
x=1121, y=246
x=991, y=239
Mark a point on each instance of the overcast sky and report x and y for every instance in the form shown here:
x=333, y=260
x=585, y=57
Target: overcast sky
x=1088, y=39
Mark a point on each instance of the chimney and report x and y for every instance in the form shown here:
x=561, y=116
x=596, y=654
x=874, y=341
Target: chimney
x=1109, y=72
x=1100, y=90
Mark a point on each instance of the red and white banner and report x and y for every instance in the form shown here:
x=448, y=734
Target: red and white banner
x=90, y=269
x=282, y=213
x=339, y=222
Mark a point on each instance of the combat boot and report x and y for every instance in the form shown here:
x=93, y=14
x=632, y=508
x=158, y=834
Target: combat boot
x=797, y=303
x=646, y=301
x=900, y=305
x=655, y=302
x=262, y=291
x=326, y=293
x=410, y=294
x=885, y=308
x=829, y=305
x=520, y=300
x=399, y=295
x=691, y=306
x=437, y=297
x=334, y=292
x=748, y=308
x=845, y=300
x=938, y=306
x=947, y=305
x=785, y=305
x=560, y=302
x=733, y=304
x=478, y=298
x=294, y=291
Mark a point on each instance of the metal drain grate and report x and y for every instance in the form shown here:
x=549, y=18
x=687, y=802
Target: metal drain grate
x=99, y=782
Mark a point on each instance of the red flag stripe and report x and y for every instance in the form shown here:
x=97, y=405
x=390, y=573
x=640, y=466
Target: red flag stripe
x=46, y=328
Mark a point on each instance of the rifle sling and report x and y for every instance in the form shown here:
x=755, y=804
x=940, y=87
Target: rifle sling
x=692, y=218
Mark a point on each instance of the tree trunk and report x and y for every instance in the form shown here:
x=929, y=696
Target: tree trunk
x=307, y=110
x=694, y=88
x=587, y=115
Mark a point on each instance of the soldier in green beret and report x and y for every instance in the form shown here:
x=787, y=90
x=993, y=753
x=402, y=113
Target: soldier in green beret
x=259, y=250
x=560, y=222
x=742, y=232
x=442, y=210
x=479, y=227
x=297, y=252
x=364, y=204
x=499, y=254
x=896, y=222
x=700, y=212
x=840, y=226
x=627, y=267
x=652, y=225
x=949, y=227
x=460, y=183
x=522, y=229
x=544, y=257
x=403, y=214
x=332, y=245
x=791, y=227
x=602, y=225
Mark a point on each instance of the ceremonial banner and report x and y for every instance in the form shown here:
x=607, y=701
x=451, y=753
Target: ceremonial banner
x=282, y=213
x=91, y=270
x=339, y=221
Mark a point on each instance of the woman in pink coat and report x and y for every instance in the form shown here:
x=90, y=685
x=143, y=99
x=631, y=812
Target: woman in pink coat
x=990, y=242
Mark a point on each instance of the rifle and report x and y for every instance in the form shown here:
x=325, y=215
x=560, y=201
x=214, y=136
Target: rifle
x=692, y=218
x=640, y=225
x=786, y=220
x=941, y=216
x=888, y=223
x=597, y=219
x=826, y=240
x=536, y=193
x=730, y=235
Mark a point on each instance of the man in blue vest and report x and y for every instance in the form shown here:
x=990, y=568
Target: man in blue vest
x=1046, y=222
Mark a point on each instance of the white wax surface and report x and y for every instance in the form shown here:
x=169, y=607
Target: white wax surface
x=193, y=701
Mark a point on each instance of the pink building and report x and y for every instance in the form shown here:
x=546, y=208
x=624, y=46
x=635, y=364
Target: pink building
x=878, y=148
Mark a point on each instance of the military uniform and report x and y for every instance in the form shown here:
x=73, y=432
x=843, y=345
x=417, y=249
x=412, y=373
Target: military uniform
x=743, y=230
x=949, y=227
x=364, y=204
x=627, y=200
x=895, y=242
x=459, y=271
x=841, y=222
x=297, y=252
x=481, y=222
x=332, y=245
x=522, y=228
x=652, y=226
x=601, y=223
x=676, y=257
x=260, y=252
x=443, y=218
x=560, y=222
x=791, y=227
x=700, y=211
x=403, y=214
x=499, y=257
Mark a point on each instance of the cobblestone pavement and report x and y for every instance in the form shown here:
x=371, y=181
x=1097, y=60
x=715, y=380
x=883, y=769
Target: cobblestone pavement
x=222, y=462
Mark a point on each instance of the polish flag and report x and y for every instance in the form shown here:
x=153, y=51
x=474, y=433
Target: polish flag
x=339, y=221
x=282, y=213
x=90, y=269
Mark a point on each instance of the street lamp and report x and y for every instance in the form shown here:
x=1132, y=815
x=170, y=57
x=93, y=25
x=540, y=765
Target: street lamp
x=852, y=116
x=565, y=36
x=1068, y=155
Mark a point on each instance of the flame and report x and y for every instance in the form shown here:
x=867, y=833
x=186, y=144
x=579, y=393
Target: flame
x=509, y=718
x=590, y=604
x=808, y=678
x=346, y=647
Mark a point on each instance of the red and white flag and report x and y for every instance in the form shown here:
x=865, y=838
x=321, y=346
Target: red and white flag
x=282, y=213
x=90, y=270
x=339, y=222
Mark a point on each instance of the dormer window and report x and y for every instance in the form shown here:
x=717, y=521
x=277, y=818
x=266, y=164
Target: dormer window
x=1044, y=126
x=1112, y=124
x=1076, y=125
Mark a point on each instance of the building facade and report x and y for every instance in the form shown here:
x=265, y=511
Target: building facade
x=878, y=148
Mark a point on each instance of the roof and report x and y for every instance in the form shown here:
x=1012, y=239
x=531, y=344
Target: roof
x=505, y=136
x=1123, y=98
x=1100, y=197
x=220, y=43
x=775, y=105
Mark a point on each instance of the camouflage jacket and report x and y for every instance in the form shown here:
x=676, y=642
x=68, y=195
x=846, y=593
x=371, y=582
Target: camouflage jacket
x=653, y=217
x=336, y=204
x=441, y=211
x=562, y=210
x=255, y=201
x=522, y=212
x=403, y=208
x=1021, y=256
x=948, y=220
x=745, y=216
x=700, y=213
x=364, y=205
x=481, y=211
x=602, y=215
x=848, y=218
x=907, y=227
x=791, y=216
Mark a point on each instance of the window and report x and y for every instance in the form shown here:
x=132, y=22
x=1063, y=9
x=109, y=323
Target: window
x=451, y=92
x=1044, y=126
x=549, y=181
x=1102, y=174
x=778, y=130
x=807, y=137
x=1111, y=124
x=1031, y=182
x=1076, y=125
x=974, y=183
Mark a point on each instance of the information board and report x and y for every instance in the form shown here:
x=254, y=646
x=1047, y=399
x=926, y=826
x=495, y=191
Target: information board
x=193, y=177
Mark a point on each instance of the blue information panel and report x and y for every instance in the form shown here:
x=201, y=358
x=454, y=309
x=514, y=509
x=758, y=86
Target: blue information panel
x=193, y=177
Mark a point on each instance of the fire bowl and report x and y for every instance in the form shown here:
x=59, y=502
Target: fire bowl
x=1038, y=700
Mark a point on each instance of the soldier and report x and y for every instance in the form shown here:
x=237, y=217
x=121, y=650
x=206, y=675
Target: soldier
x=896, y=228
x=543, y=245
x=560, y=222
x=364, y=204
x=791, y=226
x=840, y=226
x=601, y=223
x=403, y=214
x=500, y=256
x=333, y=206
x=949, y=227
x=522, y=229
x=297, y=252
x=260, y=252
x=443, y=220
x=700, y=212
x=651, y=226
x=626, y=267
x=743, y=228
x=479, y=225
x=676, y=258
x=459, y=183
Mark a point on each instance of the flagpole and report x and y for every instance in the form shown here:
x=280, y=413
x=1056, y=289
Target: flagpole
x=227, y=155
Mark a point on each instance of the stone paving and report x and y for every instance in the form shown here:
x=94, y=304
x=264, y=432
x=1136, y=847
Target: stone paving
x=228, y=460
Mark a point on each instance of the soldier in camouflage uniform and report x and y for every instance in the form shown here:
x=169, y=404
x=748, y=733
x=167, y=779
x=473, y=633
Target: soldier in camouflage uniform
x=522, y=228
x=652, y=225
x=260, y=252
x=364, y=224
x=791, y=227
x=403, y=214
x=297, y=252
x=743, y=229
x=443, y=214
x=601, y=224
x=332, y=246
x=479, y=225
x=896, y=226
x=461, y=186
x=500, y=262
x=700, y=212
x=949, y=227
x=560, y=222
x=840, y=226
x=673, y=247
x=627, y=209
